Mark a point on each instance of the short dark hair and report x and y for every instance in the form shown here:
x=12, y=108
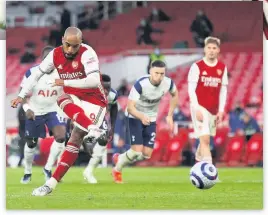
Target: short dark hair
x=46, y=50
x=105, y=78
x=158, y=63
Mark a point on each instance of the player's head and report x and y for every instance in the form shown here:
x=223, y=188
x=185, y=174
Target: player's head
x=71, y=42
x=212, y=47
x=46, y=50
x=157, y=72
x=106, y=82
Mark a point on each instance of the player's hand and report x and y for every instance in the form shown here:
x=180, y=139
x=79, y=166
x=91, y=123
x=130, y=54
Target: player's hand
x=16, y=101
x=220, y=117
x=145, y=120
x=169, y=120
x=199, y=115
x=30, y=114
x=58, y=82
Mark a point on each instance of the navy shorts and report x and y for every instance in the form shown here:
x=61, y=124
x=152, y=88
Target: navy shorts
x=37, y=128
x=140, y=134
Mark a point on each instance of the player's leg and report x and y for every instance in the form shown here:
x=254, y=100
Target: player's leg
x=33, y=130
x=29, y=151
x=56, y=149
x=75, y=110
x=98, y=151
x=149, y=134
x=202, y=130
x=135, y=129
x=198, y=154
x=69, y=128
x=194, y=121
x=71, y=151
x=68, y=158
x=56, y=124
x=213, y=128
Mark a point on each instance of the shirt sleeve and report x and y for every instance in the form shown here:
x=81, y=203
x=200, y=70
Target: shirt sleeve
x=47, y=65
x=193, y=75
x=29, y=82
x=223, y=96
x=23, y=81
x=135, y=92
x=90, y=61
x=193, y=78
x=172, y=87
x=225, y=77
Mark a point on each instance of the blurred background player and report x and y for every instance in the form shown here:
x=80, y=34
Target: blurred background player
x=108, y=125
x=142, y=108
x=207, y=88
x=41, y=112
x=84, y=100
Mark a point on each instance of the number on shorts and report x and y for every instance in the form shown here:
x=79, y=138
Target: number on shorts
x=152, y=138
x=133, y=138
x=61, y=119
x=104, y=125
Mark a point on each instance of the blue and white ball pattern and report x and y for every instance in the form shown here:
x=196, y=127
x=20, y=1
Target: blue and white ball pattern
x=203, y=175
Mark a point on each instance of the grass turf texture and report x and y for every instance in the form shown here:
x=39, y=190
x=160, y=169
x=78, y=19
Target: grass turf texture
x=144, y=188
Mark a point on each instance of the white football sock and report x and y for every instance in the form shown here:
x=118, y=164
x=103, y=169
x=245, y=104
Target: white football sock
x=28, y=157
x=52, y=183
x=126, y=158
x=55, y=150
x=141, y=157
x=97, y=154
x=198, y=156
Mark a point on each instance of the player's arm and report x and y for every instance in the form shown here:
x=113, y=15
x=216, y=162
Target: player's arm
x=193, y=78
x=133, y=97
x=26, y=107
x=46, y=66
x=173, y=104
x=90, y=62
x=174, y=98
x=223, y=91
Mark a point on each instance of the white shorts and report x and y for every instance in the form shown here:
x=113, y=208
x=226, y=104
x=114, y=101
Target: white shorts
x=207, y=127
x=93, y=112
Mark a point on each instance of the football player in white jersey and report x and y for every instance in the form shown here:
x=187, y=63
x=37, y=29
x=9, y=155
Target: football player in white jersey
x=41, y=111
x=142, y=107
x=107, y=125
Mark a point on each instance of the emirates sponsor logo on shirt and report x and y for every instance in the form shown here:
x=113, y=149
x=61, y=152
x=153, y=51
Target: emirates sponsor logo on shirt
x=74, y=75
x=210, y=81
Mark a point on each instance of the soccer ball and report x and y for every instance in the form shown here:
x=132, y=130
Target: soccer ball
x=203, y=175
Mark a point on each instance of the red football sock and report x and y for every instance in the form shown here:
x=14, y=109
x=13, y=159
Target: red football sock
x=72, y=109
x=68, y=158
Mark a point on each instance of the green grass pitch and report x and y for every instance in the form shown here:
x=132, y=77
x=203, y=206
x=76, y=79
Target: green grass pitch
x=144, y=188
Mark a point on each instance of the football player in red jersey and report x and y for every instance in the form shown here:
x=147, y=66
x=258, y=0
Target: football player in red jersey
x=83, y=101
x=207, y=88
